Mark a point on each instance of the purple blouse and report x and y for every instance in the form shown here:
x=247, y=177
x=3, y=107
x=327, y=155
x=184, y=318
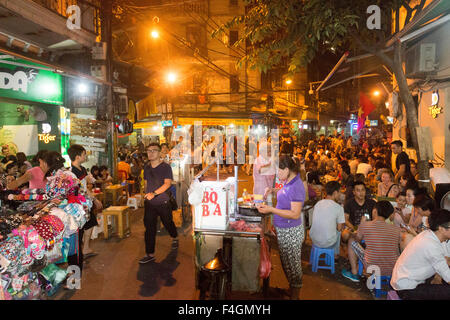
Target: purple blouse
x=294, y=191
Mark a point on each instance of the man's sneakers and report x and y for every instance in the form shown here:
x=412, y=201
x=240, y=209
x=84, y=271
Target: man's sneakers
x=349, y=275
x=174, y=244
x=147, y=259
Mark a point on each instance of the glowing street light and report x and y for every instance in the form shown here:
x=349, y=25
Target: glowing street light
x=154, y=34
x=171, y=77
x=376, y=93
x=82, y=88
x=288, y=81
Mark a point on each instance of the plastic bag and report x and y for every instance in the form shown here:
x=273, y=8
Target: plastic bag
x=265, y=266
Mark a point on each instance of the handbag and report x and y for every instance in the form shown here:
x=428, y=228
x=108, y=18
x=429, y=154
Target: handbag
x=172, y=200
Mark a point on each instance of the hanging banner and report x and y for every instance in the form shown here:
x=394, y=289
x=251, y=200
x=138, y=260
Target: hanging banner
x=215, y=122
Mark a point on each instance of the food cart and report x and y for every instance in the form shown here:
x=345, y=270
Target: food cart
x=225, y=233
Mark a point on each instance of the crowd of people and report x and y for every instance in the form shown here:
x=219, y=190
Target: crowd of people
x=371, y=210
x=363, y=206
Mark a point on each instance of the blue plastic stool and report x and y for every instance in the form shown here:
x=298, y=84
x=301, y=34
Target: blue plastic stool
x=384, y=280
x=360, y=267
x=315, y=259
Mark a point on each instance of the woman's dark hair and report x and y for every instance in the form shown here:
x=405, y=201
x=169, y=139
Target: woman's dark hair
x=54, y=161
x=12, y=158
x=357, y=183
x=401, y=194
x=424, y=202
x=313, y=178
x=102, y=168
x=93, y=169
x=40, y=155
x=384, y=208
x=360, y=177
x=288, y=162
x=345, y=167
x=10, y=166
x=21, y=158
x=439, y=217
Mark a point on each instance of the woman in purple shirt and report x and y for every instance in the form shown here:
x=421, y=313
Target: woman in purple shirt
x=288, y=223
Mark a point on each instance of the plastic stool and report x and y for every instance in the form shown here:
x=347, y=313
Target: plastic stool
x=384, y=280
x=392, y=295
x=315, y=259
x=133, y=202
x=360, y=267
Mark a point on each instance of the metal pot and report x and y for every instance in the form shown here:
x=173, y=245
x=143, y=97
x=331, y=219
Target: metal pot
x=249, y=211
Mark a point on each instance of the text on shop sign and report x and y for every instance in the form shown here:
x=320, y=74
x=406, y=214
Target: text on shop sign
x=207, y=199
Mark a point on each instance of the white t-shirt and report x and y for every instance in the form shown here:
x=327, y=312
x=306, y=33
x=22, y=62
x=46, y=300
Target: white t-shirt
x=364, y=168
x=327, y=214
x=422, y=258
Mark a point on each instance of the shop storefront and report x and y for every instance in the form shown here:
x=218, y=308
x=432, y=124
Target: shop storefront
x=31, y=112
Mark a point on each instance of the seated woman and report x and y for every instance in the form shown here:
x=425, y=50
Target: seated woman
x=422, y=271
x=9, y=175
x=407, y=181
x=418, y=222
x=37, y=176
x=387, y=187
x=105, y=178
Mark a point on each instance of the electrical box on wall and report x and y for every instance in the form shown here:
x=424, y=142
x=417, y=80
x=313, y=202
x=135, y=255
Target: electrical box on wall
x=99, y=51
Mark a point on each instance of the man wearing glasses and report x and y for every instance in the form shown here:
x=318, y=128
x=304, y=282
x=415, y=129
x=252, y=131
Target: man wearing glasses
x=158, y=179
x=422, y=271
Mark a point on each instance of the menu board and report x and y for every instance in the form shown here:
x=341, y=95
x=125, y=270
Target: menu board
x=88, y=132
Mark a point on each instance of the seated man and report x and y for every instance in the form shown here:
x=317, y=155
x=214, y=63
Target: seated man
x=382, y=242
x=355, y=208
x=328, y=219
x=422, y=271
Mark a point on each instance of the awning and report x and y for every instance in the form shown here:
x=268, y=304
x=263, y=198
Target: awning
x=437, y=9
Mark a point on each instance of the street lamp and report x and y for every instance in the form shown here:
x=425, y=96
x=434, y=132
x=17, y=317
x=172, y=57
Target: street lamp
x=376, y=93
x=154, y=34
x=288, y=81
x=171, y=77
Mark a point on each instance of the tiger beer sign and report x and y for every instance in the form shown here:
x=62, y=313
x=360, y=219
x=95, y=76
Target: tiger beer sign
x=212, y=212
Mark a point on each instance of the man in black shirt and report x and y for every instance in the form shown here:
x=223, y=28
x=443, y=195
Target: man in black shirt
x=356, y=208
x=402, y=163
x=158, y=179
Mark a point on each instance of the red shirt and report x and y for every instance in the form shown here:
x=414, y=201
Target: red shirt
x=382, y=244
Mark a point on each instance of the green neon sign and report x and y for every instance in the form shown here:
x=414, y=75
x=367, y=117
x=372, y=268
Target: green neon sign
x=31, y=84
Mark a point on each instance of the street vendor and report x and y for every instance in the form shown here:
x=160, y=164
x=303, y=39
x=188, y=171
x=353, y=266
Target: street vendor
x=288, y=223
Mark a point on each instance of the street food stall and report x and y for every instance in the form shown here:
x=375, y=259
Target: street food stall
x=227, y=238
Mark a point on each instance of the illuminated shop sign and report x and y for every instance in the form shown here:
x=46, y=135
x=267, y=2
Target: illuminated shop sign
x=434, y=109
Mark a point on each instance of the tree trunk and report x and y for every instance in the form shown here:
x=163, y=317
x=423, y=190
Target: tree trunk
x=411, y=113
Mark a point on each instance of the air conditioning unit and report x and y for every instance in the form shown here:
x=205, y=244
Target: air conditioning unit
x=421, y=59
x=123, y=104
x=99, y=51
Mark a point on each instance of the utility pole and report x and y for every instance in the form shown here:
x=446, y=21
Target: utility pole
x=107, y=37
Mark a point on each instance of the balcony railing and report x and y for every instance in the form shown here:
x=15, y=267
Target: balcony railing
x=90, y=11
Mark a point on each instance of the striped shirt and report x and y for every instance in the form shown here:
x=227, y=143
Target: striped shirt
x=382, y=244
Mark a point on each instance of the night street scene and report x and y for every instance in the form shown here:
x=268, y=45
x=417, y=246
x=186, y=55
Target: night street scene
x=225, y=156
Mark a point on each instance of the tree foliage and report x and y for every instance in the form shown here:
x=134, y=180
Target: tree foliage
x=298, y=30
